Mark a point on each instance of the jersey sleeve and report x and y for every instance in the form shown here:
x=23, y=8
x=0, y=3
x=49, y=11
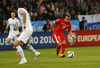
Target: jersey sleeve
x=57, y=21
x=69, y=27
x=20, y=10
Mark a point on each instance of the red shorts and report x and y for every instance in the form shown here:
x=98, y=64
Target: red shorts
x=58, y=37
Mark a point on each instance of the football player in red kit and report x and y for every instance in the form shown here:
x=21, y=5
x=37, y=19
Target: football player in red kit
x=58, y=36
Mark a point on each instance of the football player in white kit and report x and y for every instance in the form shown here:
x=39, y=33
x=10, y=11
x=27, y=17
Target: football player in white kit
x=25, y=35
x=14, y=24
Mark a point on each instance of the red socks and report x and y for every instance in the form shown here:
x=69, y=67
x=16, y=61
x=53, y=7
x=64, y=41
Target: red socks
x=63, y=48
x=58, y=48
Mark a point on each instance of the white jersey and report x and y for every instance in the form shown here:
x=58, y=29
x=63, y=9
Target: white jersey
x=13, y=22
x=28, y=21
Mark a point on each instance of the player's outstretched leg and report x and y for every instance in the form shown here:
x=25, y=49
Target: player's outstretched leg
x=37, y=54
x=12, y=42
x=21, y=53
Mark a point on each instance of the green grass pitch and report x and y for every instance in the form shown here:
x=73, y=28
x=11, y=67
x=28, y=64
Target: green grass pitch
x=85, y=57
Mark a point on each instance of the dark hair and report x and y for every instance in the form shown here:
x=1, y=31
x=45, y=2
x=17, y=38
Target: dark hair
x=68, y=15
x=13, y=12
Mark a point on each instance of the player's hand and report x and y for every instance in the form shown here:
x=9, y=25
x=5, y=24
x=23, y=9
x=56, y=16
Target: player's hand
x=24, y=26
x=18, y=34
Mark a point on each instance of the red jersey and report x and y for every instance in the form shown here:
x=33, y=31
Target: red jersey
x=61, y=25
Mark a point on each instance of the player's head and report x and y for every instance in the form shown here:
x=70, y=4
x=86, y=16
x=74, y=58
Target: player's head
x=67, y=18
x=13, y=14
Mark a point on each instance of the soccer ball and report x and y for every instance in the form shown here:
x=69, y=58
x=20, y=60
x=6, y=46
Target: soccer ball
x=70, y=54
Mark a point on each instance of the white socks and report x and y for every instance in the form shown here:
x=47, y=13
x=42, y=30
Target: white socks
x=21, y=53
x=31, y=48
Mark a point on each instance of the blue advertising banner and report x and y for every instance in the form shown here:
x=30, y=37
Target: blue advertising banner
x=38, y=25
x=38, y=40
x=93, y=26
x=93, y=21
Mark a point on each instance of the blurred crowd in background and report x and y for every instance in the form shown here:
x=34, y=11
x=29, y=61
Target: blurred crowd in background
x=49, y=9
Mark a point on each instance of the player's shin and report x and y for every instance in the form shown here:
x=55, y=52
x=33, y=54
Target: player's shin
x=63, y=48
x=21, y=53
x=58, y=49
x=31, y=48
x=37, y=54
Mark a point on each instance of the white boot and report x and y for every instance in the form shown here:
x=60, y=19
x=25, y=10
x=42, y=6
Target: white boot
x=23, y=61
x=37, y=54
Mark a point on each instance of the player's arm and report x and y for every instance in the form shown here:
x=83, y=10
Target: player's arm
x=70, y=32
x=24, y=17
x=7, y=26
x=52, y=25
x=19, y=33
x=18, y=26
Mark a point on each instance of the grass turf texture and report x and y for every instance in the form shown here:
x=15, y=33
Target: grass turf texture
x=85, y=57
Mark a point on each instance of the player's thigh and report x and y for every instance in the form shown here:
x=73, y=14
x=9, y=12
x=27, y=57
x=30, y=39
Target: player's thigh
x=10, y=36
x=57, y=39
x=63, y=39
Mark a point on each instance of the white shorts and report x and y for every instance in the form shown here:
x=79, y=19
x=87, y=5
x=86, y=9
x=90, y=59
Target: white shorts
x=25, y=36
x=13, y=35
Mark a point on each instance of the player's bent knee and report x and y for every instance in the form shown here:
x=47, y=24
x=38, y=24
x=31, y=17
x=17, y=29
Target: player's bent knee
x=17, y=43
x=9, y=40
x=59, y=44
x=25, y=45
x=64, y=42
